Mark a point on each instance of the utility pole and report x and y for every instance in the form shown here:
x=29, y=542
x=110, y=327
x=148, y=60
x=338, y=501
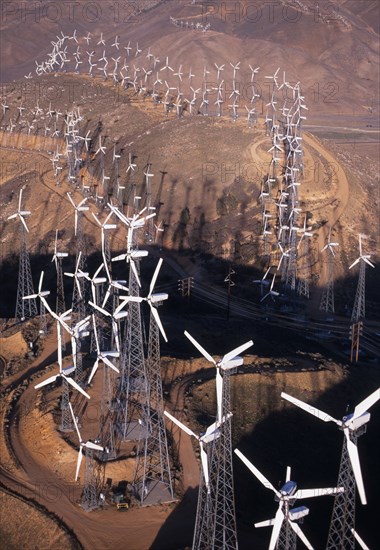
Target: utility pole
x=230, y=283
x=185, y=285
x=356, y=331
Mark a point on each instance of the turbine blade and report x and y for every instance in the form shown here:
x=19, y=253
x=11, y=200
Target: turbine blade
x=236, y=352
x=297, y=529
x=93, y=371
x=78, y=463
x=24, y=223
x=205, y=354
x=91, y=445
x=310, y=409
x=109, y=364
x=95, y=333
x=256, y=472
x=288, y=473
x=134, y=269
x=360, y=541
x=265, y=523
x=354, y=459
x=40, y=282
x=155, y=275
x=310, y=493
x=276, y=527
x=366, y=403
x=104, y=311
x=158, y=320
x=355, y=262
x=46, y=382
x=219, y=394
x=75, y=422
x=180, y=425
x=205, y=466
x=76, y=386
x=366, y=260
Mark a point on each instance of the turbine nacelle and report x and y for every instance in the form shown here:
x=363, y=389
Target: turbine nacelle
x=356, y=423
x=288, y=489
x=295, y=514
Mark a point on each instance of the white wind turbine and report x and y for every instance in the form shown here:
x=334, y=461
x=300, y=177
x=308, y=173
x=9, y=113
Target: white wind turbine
x=271, y=292
x=82, y=444
x=101, y=147
x=151, y=299
x=284, y=253
x=78, y=274
x=115, y=318
x=349, y=425
x=219, y=69
x=136, y=222
x=305, y=232
x=78, y=208
x=264, y=281
x=63, y=372
x=131, y=165
x=330, y=245
x=105, y=226
x=230, y=360
x=212, y=433
x=364, y=257
x=286, y=496
x=21, y=214
x=102, y=355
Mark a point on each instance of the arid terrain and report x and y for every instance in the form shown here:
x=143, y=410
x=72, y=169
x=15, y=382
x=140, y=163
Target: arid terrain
x=208, y=174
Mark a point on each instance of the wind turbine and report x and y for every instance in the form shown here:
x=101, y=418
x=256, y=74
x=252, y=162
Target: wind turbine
x=78, y=208
x=358, y=311
x=330, y=245
x=63, y=372
x=21, y=214
x=210, y=435
x=105, y=226
x=349, y=424
x=271, y=292
x=102, y=355
x=82, y=444
x=286, y=497
x=364, y=257
x=230, y=360
x=78, y=273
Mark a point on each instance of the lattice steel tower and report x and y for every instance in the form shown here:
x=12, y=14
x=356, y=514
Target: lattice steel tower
x=327, y=300
x=25, y=309
x=340, y=535
x=221, y=531
x=358, y=312
x=224, y=535
x=152, y=478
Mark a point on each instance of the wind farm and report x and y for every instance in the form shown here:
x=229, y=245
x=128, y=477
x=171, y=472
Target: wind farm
x=190, y=246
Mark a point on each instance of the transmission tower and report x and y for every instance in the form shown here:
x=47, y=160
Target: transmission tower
x=358, y=311
x=204, y=521
x=225, y=535
x=303, y=282
x=221, y=529
x=25, y=309
x=133, y=421
x=152, y=478
x=327, y=301
x=343, y=516
x=66, y=424
x=89, y=500
x=287, y=539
